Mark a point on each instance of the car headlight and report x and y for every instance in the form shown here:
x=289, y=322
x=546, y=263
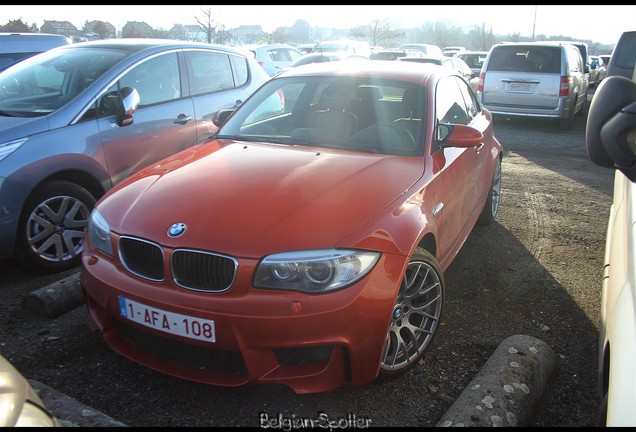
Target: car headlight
x=99, y=232
x=314, y=272
x=9, y=147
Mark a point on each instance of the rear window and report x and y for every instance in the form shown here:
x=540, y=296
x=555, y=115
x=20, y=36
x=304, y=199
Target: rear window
x=525, y=59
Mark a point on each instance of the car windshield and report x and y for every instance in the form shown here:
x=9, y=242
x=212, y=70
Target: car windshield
x=355, y=113
x=42, y=84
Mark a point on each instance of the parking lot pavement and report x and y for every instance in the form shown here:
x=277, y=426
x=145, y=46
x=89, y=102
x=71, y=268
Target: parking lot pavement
x=69, y=411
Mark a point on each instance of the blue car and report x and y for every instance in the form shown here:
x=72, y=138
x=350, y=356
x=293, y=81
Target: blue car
x=78, y=119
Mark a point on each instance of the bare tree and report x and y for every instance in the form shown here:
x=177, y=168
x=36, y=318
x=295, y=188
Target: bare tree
x=207, y=23
x=443, y=35
x=480, y=38
x=379, y=33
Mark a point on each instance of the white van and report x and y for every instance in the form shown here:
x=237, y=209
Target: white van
x=15, y=47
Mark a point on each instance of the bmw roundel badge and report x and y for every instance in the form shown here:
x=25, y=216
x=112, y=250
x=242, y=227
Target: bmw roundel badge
x=176, y=230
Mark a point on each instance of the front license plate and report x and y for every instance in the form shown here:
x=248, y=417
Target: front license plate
x=168, y=322
x=520, y=87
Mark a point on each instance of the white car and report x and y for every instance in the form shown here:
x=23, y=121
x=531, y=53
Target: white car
x=20, y=405
x=611, y=142
x=275, y=57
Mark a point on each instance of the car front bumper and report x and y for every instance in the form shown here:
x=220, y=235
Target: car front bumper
x=311, y=343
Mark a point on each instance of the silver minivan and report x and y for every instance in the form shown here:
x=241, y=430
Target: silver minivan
x=78, y=119
x=534, y=79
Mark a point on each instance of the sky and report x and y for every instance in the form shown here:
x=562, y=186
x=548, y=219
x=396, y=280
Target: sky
x=598, y=23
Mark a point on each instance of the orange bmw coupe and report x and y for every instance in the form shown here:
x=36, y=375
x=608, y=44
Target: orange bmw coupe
x=305, y=243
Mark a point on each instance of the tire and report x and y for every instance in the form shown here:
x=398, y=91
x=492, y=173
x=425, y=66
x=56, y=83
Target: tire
x=52, y=227
x=566, y=123
x=416, y=315
x=491, y=208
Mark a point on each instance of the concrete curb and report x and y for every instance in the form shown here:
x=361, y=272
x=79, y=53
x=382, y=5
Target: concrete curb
x=57, y=298
x=69, y=411
x=508, y=389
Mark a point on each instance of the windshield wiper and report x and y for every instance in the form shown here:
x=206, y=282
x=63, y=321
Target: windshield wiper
x=10, y=114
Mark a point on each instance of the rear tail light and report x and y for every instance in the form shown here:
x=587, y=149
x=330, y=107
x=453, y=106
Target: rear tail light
x=260, y=63
x=566, y=85
x=480, y=83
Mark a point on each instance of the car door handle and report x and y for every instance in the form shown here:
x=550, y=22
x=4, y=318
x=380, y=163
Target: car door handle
x=182, y=119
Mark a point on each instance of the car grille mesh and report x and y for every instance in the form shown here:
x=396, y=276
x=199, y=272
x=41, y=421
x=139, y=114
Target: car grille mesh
x=191, y=269
x=194, y=356
x=202, y=271
x=141, y=258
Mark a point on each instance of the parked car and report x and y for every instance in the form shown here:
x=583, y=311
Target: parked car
x=275, y=57
x=474, y=59
x=598, y=70
x=454, y=63
x=20, y=405
x=324, y=57
x=346, y=46
x=316, y=256
x=394, y=54
x=610, y=132
x=75, y=120
x=426, y=49
x=450, y=51
x=306, y=48
x=606, y=60
x=534, y=79
x=15, y=47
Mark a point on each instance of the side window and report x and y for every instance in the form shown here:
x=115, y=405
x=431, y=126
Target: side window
x=575, y=60
x=450, y=105
x=211, y=72
x=278, y=54
x=293, y=55
x=240, y=66
x=157, y=80
x=472, y=106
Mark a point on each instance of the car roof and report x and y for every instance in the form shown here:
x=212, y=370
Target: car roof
x=138, y=44
x=267, y=46
x=405, y=71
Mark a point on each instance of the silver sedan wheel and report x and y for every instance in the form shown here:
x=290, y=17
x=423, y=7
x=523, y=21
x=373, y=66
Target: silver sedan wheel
x=416, y=315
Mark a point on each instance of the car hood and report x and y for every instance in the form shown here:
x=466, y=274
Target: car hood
x=19, y=127
x=253, y=199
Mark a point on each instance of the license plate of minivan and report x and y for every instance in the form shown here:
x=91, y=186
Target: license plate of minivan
x=516, y=87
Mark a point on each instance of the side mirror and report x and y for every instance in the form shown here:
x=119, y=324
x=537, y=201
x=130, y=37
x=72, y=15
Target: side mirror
x=458, y=135
x=610, y=135
x=130, y=99
x=220, y=117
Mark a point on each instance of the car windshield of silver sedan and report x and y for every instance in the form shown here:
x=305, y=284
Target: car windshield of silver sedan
x=353, y=113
